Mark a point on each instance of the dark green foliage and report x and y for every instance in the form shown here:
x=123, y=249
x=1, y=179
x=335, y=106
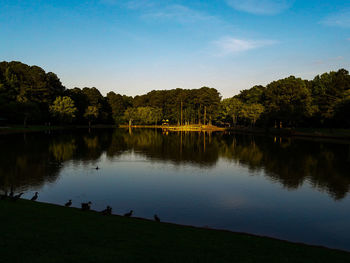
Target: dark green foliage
x=63, y=109
x=27, y=92
x=293, y=102
x=198, y=105
x=288, y=100
x=253, y=95
x=118, y=104
x=328, y=91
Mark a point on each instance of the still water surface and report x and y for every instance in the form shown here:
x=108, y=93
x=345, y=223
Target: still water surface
x=292, y=189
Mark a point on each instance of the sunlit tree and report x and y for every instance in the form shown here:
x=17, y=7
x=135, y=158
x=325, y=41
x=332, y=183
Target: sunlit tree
x=63, y=108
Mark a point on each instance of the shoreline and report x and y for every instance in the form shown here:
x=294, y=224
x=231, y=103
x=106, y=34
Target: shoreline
x=195, y=128
x=311, y=133
x=90, y=235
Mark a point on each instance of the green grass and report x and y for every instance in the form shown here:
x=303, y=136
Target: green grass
x=39, y=232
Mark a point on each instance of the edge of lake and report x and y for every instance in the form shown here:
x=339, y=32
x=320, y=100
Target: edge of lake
x=46, y=232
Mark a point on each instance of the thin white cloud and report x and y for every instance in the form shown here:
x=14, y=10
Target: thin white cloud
x=341, y=19
x=230, y=45
x=261, y=7
x=153, y=10
x=179, y=13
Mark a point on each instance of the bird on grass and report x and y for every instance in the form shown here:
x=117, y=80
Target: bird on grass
x=86, y=206
x=35, y=196
x=68, y=204
x=129, y=214
x=16, y=197
x=107, y=211
x=156, y=218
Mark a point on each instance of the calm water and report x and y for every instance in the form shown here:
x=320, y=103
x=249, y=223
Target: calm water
x=291, y=189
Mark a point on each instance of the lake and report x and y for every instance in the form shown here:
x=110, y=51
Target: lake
x=292, y=189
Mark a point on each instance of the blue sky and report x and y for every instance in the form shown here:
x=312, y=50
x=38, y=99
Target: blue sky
x=132, y=47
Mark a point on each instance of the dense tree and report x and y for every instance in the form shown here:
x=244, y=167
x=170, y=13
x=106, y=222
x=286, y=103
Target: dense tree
x=80, y=101
x=329, y=90
x=28, y=90
x=252, y=112
x=232, y=107
x=253, y=95
x=28, y=93
x=288, y=100
x=91, y=114
x=130, y=114
x=63, y=109
x=118, y=104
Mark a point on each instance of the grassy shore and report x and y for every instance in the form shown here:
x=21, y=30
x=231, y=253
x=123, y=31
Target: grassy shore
x=39, y=232
x=320, y=133
x=193, y=127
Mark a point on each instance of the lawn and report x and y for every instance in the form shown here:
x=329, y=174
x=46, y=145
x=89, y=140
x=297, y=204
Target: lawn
x=39, y=232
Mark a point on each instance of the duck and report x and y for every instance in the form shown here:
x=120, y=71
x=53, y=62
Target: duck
x=97, y=168
x=16, y=197
x=129, y=214
x=107, y=211
x=35, y=196
x=156, y=218
x=69, y=203
x=86, y=206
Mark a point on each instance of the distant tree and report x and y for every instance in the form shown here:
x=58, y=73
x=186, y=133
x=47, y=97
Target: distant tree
x=118, y=105
x=288, y=100
x=232, y=107
x=252, y=112
x=63, y=108
x=91, y=114
x=95, y=98
x=147, y=115
x=252, y=96
x=329, y=90
x=130, y=114
x=80, y=101
x=156, y=115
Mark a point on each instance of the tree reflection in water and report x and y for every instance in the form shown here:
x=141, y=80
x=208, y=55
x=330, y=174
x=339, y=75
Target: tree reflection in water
x=31, y=160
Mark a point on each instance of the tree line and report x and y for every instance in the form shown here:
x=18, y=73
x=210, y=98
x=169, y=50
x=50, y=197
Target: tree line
x=30, y=95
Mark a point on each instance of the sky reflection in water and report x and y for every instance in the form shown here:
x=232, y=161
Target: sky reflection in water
x=289, y=189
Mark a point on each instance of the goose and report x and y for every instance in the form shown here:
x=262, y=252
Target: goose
x=129, y=214
x=86, y=206
x=69, y=203
x=35, y=196
x=107, y=211
x=16, y=197
x=156, y=218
